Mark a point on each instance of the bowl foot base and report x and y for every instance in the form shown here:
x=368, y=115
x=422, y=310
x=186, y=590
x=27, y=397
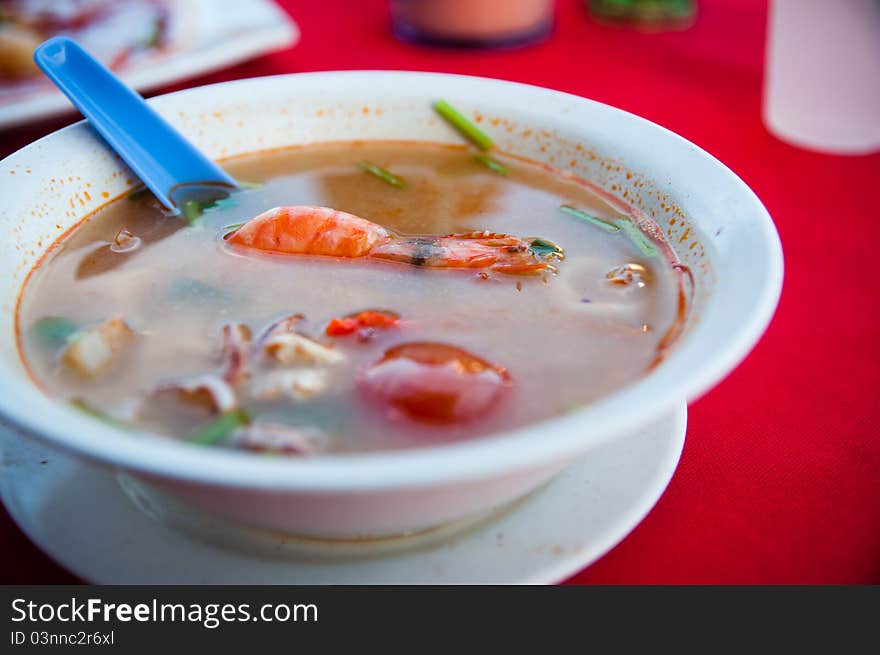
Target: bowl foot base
x=214, y=530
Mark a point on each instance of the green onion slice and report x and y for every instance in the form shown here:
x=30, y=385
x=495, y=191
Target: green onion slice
x=639, y=238
x=491, y=164
x=470, y=131
x=220, y=429
x=192, y=209
x=577, y=213
x=382, y=174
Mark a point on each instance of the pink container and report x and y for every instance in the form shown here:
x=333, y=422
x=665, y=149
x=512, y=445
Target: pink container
x=472, y=23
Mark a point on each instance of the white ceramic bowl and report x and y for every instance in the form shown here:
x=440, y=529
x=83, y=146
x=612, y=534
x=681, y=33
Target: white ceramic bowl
x=719, y=227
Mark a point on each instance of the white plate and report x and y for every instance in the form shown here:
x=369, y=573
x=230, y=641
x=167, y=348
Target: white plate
x=206, y=35
x=79, y=515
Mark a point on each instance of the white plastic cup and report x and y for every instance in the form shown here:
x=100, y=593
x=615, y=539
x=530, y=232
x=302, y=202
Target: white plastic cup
x=822, y=75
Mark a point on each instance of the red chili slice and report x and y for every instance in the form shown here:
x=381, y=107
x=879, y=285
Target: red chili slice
x=339, y=327
x=379, y=319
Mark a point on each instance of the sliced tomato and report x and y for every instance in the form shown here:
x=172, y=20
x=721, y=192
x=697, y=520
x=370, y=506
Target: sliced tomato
x=435, y=382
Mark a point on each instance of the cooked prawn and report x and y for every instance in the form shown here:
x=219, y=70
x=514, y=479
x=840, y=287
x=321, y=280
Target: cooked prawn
x=309, y=230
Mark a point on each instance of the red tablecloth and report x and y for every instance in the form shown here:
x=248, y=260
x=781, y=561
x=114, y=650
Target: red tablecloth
x=779, y=481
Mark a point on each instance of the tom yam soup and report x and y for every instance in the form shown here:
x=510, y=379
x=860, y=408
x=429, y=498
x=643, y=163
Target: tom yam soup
x=353, y=297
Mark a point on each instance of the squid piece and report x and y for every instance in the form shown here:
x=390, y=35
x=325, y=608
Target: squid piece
x=93, y=351
x=292, y=349
x=284, y=345
x=208, y=391
x=275, y=438
x=236, y=345
x=294, y=383
x=281, y=326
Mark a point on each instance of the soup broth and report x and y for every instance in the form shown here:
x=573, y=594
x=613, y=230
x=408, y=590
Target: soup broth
x=194, y=310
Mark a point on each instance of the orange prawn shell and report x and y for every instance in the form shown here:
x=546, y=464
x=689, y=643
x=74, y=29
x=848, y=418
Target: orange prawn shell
x=310, y=230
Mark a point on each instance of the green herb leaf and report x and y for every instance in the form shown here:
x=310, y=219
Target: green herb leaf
x=491, y=164
x=382, y=174
x=545, y=248
x=54, y=331
x=192, y=210
x=222, y=203
x=220, y=429
x=226, y=230
x=639, y=238
x=85, y=408
x=577, y=213
x=470, y=131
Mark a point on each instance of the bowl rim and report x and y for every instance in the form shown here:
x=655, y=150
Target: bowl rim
x=498, y=454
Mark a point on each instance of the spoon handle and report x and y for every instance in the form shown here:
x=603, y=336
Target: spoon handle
x=160, y=156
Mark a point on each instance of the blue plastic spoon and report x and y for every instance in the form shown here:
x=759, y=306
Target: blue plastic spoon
x=165, y=161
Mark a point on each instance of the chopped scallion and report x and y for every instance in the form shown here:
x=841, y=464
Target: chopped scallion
x=455, y=118
x=382, y=174
x=221, y=428
x=192, y=209
x=577, y=213
x=221, y=203
x=639, y=238
x=491, y=164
